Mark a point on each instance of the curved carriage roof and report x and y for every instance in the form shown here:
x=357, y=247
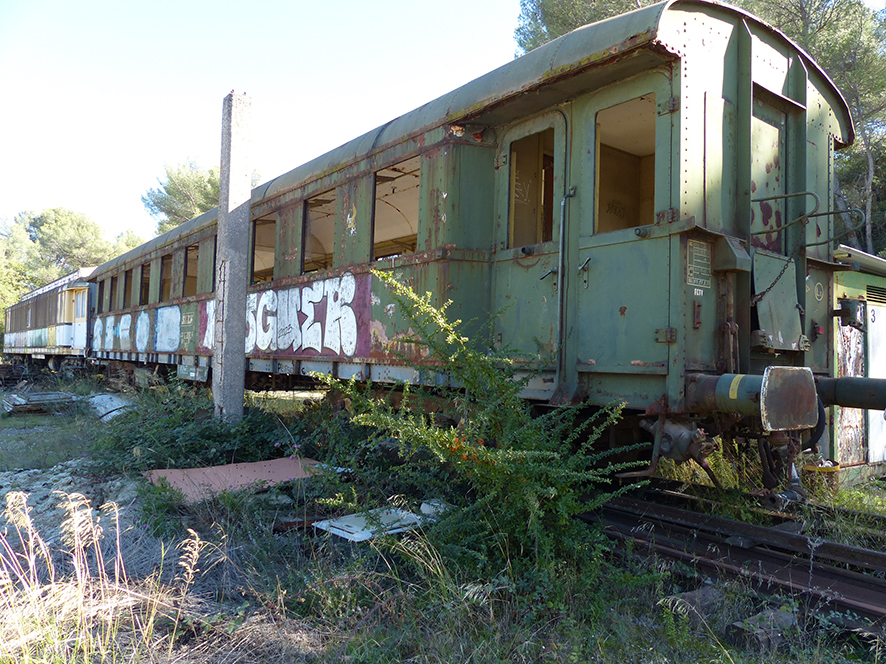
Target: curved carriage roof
x=555, y=61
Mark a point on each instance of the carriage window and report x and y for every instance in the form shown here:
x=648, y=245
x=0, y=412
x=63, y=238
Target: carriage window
x=145, y=290
x=192, y=257
x=166, y=278
x=319, y=233
x=99, y=305
x=531, y=207
x=395, y=221
x=80, y=304
x=127, y=289
x=626, y=165
x=113, y=304
x=264, y=233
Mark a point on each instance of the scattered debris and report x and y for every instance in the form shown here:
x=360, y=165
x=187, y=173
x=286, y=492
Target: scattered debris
x=382, y=521
x=12, y=374
x=27, y=402
x=764, y=630
x=291, y=524
x=108, y=406
x=203, y=483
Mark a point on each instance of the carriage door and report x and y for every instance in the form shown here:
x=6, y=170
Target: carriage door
x=530, y=167
x=623, y=269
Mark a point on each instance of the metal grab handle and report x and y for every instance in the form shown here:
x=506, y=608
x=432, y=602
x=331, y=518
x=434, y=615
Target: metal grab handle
x=548, y=274
x=838, y=235
x=803, y=217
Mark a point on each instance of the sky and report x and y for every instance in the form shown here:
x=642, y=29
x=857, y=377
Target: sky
x=97, y=95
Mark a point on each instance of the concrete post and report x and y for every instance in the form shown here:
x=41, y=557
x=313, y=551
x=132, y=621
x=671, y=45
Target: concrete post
x=231, y=260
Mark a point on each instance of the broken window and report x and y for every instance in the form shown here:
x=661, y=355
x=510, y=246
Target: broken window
x=395, y=220
x=531, y=209
x=113, y=303
x=626, y=164
x=319, y=233
x=145, y=290
x=192, y=257
x=166, y=278
x=127, y=289
x=264, y=233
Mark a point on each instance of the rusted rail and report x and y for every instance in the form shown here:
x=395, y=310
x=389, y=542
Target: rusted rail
x=828, y=575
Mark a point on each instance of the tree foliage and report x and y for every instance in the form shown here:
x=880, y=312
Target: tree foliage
x=39, y=247
x=543, y=20
x=187, y=192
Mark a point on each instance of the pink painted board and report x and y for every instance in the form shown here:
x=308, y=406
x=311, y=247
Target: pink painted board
x=201, y=483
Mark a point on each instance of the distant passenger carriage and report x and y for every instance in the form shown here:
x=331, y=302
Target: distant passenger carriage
x=646, y=200
x=51, y=323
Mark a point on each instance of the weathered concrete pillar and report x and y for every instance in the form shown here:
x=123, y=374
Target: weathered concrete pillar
x=231, y=260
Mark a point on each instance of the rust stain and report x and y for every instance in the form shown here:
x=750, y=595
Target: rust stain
x=766, y=210
x=622, y=311
x=658, y=406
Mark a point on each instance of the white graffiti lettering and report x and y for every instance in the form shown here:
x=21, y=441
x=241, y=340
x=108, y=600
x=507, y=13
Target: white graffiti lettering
x=311, y=329
x=328, y=322
x=209, y=336
x=288, y=329
x=168, y=329
x=347, y=324
x=109, y=333
x=97, y=334
x=142, y=332
x=251, y=306
x=266, y=321
x=123, y=334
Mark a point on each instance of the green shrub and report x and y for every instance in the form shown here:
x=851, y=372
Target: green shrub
x=516, y=480
x=173, y=426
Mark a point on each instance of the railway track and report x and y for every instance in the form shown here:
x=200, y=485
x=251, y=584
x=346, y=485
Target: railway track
x=829, y=576
x=816, y=517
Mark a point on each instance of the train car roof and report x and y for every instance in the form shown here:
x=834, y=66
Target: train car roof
x=867, y=263
x=546, y=70
x=74, y=279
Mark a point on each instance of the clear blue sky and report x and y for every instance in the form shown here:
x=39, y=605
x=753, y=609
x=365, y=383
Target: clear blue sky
x=98, y=95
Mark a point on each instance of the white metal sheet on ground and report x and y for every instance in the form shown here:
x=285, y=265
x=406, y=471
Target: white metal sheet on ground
x=876, y=316
x=382, y=521
x=361, y=527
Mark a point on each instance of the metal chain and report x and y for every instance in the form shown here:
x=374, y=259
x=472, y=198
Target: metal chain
x=759, y=296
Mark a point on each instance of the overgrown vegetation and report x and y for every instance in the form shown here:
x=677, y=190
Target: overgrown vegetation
x=172, y=426
x=514, y=481
x=505, y=574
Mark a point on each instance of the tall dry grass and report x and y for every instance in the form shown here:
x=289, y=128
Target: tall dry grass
x=76, y=603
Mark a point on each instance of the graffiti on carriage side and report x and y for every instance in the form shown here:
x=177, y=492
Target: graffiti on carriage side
x=327, y=317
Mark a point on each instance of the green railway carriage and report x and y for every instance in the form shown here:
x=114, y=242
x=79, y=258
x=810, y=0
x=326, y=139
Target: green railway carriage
x=646, y=200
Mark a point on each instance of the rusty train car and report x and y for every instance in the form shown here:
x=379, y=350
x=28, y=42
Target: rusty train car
x=647, y=200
